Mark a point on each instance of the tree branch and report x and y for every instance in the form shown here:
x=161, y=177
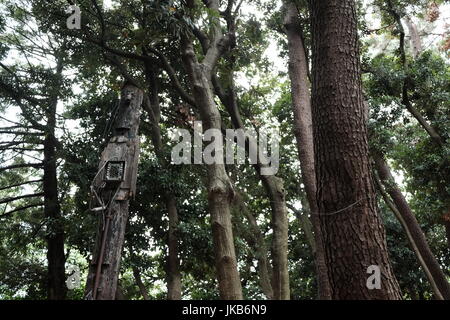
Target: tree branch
x=24, y=165
x=21, y=209
x=20, y=184
x=173, y=77
x=11, y=199
x=436, y=137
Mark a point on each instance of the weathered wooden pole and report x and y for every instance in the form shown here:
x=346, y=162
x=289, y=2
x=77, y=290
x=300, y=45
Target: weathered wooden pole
x=113, y=186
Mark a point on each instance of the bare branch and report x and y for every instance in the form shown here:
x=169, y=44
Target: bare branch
x=21, y=133
x=11, y=199
x=20, y=184
x=21, y=209
x=24, y=165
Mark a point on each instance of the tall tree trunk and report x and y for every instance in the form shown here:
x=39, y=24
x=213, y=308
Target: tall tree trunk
x=415, y=234
x=52, y=211
x=280, y=271
x=256, y=241
x=123, y=146
x=220, y=190
x=173, y=262
x=354, y=235
x=152, y=107
x=303, y=131
x=276, y=193
x=274, y=189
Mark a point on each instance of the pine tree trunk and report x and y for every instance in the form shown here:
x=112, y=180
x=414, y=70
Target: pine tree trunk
x=354, y=235
x=303, y=131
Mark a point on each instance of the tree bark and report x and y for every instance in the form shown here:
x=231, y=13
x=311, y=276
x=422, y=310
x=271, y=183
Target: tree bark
x=280, y=271
x=416, y=42
x=52, y=210
x=415, y=234
x=173, y=262
x=303, y=131
x=174, y=289
x=220, y=191
x=105, y=265
x=119, y=293
x=276, y=193
x=256, y=241
x=140, y=284
x=354, y=235
x=55, y=239
x=305, y=225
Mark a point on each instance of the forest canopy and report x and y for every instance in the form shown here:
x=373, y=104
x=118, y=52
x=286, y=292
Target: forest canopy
x=224, y=149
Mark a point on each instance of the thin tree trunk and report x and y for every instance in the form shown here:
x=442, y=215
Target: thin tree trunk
x=415, y=234
x=399, y=217
x=140, y=284
x=173, y=263
x=275, y=191
x=119, y=293
x=174, y=289
x=52, y=210
x=124, y=146
x=303, y=131
x=280, y=271
x=220, y=191
x=258, y=244
x=306, y=225
x=354, y=235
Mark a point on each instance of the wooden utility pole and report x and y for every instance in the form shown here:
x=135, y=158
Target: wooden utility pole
x=113, y=186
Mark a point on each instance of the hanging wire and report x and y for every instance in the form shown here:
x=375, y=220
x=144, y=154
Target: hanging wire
x=112, y=119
